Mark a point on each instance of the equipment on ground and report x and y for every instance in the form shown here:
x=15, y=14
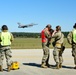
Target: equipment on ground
x=15, y=65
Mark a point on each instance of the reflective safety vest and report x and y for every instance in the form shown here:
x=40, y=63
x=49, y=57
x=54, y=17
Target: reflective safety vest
x=5, y=38
x=74, y=35
x=43, y=37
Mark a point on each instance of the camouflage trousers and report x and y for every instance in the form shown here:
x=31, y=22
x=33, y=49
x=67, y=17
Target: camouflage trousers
x=74, y=52
x=46, y=53
x=57, y=54
x=5, y=51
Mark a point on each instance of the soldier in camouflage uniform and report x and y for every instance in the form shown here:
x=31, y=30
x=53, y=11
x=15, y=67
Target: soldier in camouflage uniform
x=5, y=41
x=72, y=40
x=45, y=36
x=58, y=46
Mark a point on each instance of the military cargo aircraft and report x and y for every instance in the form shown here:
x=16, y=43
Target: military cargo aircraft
x=26, y=25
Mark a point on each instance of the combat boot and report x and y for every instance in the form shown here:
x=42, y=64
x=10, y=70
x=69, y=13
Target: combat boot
x=9, y=68
x=60, y=65
x=1, y=69
x=57, y=66
x=75, y=67
x=43, y=65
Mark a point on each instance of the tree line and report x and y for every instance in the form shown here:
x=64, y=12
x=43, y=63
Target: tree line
x=31, y=35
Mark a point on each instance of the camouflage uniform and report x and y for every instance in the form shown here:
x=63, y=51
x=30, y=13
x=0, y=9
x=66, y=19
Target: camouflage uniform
x=58, y=44
x=70, y=41
x=45, y=46
x=46, y=51
x=5, y=50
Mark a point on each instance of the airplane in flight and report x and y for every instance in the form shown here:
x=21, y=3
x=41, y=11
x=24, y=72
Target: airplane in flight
x=26, y=26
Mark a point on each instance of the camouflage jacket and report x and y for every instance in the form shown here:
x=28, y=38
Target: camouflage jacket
x=59, y=37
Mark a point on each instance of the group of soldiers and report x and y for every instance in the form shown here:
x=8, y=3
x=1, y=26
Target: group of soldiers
x=46, y=35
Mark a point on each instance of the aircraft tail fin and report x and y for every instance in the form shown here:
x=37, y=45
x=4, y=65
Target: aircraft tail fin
x=19, y=24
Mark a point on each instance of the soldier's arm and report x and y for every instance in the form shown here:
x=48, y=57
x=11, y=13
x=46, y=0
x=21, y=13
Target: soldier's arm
x=12, y=38
x=69, y=38
x=48, y=35
x=55, y=35
x=0, y=36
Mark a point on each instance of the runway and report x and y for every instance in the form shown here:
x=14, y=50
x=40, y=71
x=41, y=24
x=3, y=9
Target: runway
x=30, y=61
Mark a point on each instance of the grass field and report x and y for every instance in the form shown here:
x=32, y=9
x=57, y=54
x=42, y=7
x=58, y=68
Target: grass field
x=31, y=43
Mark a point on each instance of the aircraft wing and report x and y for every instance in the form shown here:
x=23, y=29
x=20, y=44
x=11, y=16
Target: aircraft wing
x=25, y=26
x=29, y=25
x=32, y=24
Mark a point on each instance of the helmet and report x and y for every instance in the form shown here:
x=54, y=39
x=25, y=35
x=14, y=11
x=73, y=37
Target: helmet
x=74, y=25
x=48, y=26
x=4, y=27
x=58, y=27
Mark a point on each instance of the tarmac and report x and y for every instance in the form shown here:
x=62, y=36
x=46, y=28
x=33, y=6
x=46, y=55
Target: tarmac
x=30, y=61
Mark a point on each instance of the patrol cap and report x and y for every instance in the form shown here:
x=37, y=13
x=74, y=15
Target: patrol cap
x=48, y=25
x=58, y=27
x=4, y=27
x=74, y=25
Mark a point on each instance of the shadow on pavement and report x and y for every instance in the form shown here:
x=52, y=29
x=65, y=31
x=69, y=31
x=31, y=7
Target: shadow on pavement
x=32, y=64
x=52, y=66
x=68, y=67
x=5, y=69
x=36, y=65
